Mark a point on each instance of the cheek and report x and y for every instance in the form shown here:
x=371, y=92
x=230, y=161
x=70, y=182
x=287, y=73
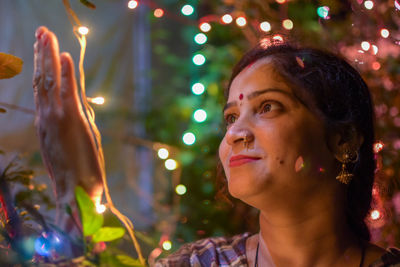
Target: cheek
x=223, y=151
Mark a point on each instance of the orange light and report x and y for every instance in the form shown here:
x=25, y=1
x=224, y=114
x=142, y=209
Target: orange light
x=280, y=1
x=376, y=65
x=378, y=146
x=205, y=27
x=158, y=13
x=375, y=215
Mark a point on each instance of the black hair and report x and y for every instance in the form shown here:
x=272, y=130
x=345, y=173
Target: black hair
x=342, y=99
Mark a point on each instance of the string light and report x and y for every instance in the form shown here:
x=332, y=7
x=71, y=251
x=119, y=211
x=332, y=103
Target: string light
x=278, y=38
x=189, y=138
x=375, y=49
x=96, y=100
x=200, y=38
x=205, y=27
x=171, y=164
x=198, y=88
x=158, y=13
x=241, y=21
x=378, y=146
x=265, y=26
x=100, y=208
x=375, y=215
x=180, y=189
x=376, y=65
x=200, y=115
x=167, y=245
x=397, y=4
x=323, y=12
x=368, y=4
x=132, y=4
x=227, y=19
x=198, y=59
x=187, y=10
x=83, y=30
x=365, y=45
x=163, y=153
x=287, y=24
x=385, y=33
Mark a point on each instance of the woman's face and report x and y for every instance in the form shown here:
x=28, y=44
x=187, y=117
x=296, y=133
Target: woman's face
x=286, y=156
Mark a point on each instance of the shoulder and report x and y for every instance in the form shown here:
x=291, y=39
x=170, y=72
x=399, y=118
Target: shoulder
x=376, y=256
x=214, y=251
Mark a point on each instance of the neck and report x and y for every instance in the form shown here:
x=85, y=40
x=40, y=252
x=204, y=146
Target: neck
x=308, y=236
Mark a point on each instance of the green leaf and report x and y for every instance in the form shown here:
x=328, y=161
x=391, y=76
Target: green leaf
x=128, y=261
x=9, y=65
x=91, y=220
x=106, y=234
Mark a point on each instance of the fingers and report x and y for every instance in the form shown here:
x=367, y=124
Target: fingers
x=46, y=77
x=69, y=89
x=51, y=68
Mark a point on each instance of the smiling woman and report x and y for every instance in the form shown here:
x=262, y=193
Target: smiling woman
x=298, y=147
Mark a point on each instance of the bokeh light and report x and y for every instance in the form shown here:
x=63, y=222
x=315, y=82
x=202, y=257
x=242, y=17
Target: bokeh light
x=278, y=38
x=171, y=164
x=281, y=1
x=241, y=21
x=378, y=146
x=158, y=13
x=199, y=59
x=227, y=19
x=375, y=214
x=97, y=100
x=100, y=208
x=287, y=24
x=163, y=153
x=205, y=27
x=385, y=33
x=200, y=115
x=323, y=12
x=368, y=4
x=198, y=88
x=375, y=49
x=365, y=45
x=83, y=30
x=132, y=4
x=189, y=138
x=397, y=4
x=200, y=38
x=180, y=189
x=167, y=245
x=376, y=65
x=265, y=26
x=187, y=10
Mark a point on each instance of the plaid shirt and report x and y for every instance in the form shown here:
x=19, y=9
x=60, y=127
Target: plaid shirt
x=224, y=252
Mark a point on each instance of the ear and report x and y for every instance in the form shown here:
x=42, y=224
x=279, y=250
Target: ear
x=345, y=139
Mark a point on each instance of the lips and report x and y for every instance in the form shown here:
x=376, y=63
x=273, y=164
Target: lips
x=241, y=159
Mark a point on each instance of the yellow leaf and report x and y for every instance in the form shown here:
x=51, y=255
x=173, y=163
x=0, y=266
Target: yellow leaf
x=9, y=65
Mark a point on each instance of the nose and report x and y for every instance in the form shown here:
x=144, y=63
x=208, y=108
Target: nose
x=237, y=135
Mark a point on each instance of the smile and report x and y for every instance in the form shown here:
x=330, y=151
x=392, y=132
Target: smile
x=241, y=159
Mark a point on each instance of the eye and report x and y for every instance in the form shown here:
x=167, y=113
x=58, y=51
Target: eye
x=267, y=106
x=230, y=118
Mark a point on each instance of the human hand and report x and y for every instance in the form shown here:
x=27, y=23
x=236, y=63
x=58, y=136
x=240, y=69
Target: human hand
x=66, y=141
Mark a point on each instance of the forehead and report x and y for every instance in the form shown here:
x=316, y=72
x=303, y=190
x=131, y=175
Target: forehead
x=257, y=76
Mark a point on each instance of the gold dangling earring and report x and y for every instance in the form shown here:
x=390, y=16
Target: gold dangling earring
x=344, y=175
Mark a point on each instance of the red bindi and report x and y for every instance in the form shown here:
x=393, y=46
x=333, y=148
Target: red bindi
x=241, y=96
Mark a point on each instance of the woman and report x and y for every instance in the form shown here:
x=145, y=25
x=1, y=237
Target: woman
x=298, y=147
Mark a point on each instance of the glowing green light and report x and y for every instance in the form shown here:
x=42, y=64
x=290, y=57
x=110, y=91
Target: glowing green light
x=180, y=189
x=199, y=59
x=200, y=38
x=187, y=10
x=323, y=12
x=189, y=138
x=200, y=115
x=198, y=88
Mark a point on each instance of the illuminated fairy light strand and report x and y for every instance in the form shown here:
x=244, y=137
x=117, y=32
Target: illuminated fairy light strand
x=90, y=116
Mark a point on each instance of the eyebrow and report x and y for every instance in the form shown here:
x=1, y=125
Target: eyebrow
x=260, y=92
